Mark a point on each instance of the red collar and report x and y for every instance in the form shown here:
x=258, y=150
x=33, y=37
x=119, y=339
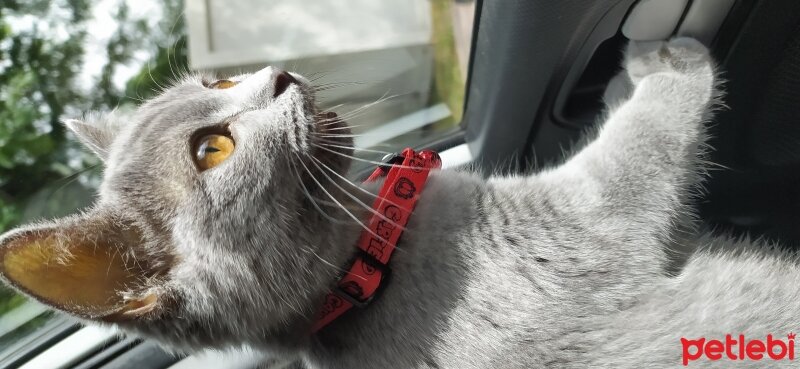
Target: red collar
x=406, y=175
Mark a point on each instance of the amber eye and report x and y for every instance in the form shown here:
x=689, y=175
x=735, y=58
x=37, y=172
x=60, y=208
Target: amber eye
x=222, y=84
x=211, y=150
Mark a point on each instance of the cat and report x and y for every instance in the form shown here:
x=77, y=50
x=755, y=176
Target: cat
x=224, y=218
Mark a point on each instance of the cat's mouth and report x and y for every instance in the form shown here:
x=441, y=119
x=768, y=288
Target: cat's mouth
x=330, y=149
x=331, y=139
x=328, y=123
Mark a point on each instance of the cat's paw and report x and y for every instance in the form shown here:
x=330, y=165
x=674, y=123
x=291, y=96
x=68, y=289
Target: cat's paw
x=680, y=55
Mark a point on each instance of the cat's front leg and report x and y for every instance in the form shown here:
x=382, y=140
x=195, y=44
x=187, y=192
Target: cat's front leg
x=633, y=182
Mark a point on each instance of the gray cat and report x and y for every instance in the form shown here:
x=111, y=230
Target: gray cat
x=223, y=219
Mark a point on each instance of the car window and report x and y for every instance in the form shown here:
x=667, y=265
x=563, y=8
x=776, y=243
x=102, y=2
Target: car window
x=395, y=69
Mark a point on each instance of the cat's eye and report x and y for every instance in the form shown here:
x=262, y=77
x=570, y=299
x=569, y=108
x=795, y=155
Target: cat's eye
x=212, y=149
x=222, y=84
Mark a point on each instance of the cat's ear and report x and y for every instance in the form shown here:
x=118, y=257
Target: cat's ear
x=86, y=266
x=96, y=131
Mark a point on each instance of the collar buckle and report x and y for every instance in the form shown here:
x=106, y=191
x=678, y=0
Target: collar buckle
x=352, y=293
x=388, y=161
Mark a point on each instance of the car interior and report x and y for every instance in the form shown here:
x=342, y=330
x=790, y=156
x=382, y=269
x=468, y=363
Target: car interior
x=549, y=65
x=537, y=73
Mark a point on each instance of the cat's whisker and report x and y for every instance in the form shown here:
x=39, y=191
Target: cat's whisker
x=325, y=121
x=348, y=116
x=331, y=141
x=334, y=107
x=328, y=263
x=316, y=201
x=716, y=166
x=357, y=158
x=311, y=198
x=138, y=99
x=150, y=74
x=354, y=112
x=343, y=128
x=339, y=142
x=314, y=76
x=342, y=177
x=333, y=205
x=351, y=183
x=329, y=122
x=71, y=179
x=348, y=212
x=333, y=85
x=322, y=121
x=337, y=135
x=350, y=195
x=354, y=148
x=353, y=115
x=289, y=304
x=169, y=60
x=172, y=50
x=340, y=83
x=159, y=89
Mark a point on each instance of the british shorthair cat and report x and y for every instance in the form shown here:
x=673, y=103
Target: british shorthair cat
x=224, y=217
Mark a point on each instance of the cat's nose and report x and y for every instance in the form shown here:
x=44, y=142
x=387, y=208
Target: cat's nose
x=282, y=82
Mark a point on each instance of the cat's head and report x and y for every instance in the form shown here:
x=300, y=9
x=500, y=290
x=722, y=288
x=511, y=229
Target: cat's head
x=203, y=232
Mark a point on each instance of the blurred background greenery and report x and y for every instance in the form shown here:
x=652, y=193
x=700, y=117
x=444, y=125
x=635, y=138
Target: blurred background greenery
x=38, y=88
x=43, y=55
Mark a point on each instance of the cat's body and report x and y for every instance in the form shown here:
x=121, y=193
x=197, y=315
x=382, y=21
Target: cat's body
x=564, y=268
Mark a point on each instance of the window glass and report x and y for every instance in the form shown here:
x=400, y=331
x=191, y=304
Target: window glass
x=395, y=69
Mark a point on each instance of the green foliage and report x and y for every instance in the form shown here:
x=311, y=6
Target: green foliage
x=447, y=86
x=9, y=300
x=35, y=76
x=39, y=70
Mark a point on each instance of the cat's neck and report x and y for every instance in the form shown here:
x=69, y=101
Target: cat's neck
x=428, y=270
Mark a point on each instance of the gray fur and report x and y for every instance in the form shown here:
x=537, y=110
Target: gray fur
x=564, y=268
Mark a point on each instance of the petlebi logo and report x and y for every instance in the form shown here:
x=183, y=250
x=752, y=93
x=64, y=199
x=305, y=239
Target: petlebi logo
x=738, y=348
